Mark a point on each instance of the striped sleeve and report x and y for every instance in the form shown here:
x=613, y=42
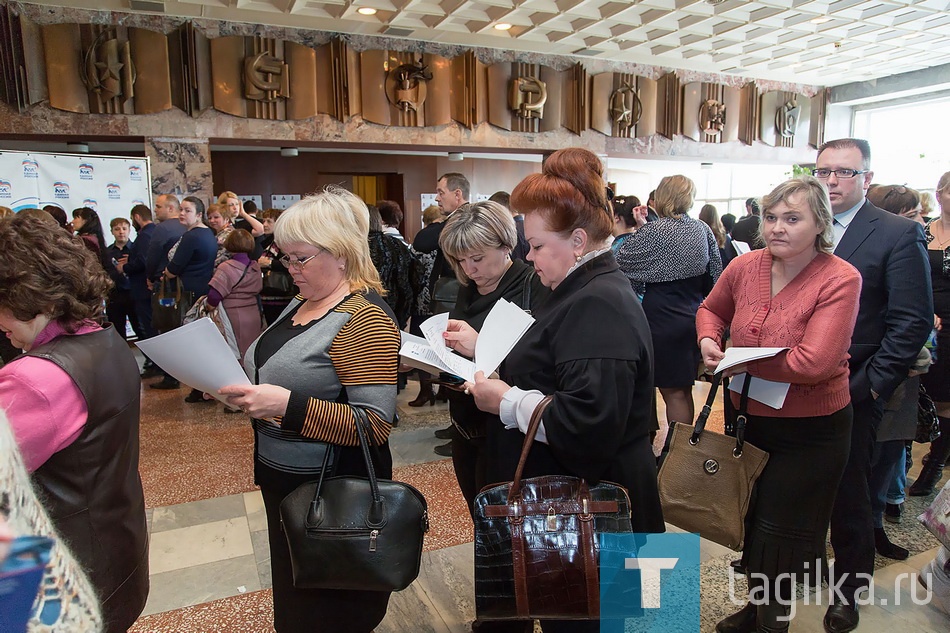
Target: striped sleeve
x=365, y=354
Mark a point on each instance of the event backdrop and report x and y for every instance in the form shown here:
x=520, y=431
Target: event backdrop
x=110, y=185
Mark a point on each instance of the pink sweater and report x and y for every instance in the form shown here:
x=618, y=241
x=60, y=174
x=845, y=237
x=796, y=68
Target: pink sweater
x=47, y=412
x=813, y=315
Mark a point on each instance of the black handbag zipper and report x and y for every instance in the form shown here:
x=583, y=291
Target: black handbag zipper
x=349, y=533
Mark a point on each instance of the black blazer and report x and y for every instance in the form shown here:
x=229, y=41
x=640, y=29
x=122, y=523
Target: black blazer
x=896, y=312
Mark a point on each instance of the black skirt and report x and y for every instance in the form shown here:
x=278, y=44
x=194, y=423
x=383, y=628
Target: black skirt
x=937, y=379
x=788, y=519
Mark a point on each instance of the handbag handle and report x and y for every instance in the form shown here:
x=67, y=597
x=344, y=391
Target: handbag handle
x=161, y=289
x=376, y=517
x=514, y=492
x=741, y=415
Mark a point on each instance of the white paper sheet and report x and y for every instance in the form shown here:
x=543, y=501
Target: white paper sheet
x=741, y=247
x=503, y=327
x=197, y=355
x=738, y=355
x=767, y=392
x=416, y=352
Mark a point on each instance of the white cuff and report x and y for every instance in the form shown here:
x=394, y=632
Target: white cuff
x=516, y=408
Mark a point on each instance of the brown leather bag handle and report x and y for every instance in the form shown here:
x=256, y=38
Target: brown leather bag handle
x=514, y=493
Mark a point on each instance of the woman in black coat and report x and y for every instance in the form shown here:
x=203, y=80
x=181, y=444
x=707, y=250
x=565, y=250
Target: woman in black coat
x=589, y=348
x=478, y=241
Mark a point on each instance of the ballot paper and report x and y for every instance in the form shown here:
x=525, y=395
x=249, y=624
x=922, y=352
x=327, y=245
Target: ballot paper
x=768, y=392
x=503, y=328
x=738, y=355
x=197, y=355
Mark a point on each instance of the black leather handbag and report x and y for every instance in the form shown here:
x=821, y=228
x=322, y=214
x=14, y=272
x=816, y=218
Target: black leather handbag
x=536, y=545
x=357, y=533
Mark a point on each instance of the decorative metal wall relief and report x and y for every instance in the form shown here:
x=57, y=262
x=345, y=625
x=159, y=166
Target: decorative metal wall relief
x=405, y=89
x=339, y=93
x=189, y=55
x=469, y=90
x=108, y=70
x=527, y=96
x=710, y=112
x=669, y=106
x=616, y=106
x=96, y=69
x=250, y=77
x=266, y=78
x=576, y=99
x=518, y=94
x=22, y=72
x=748, y=113
x=785, y=117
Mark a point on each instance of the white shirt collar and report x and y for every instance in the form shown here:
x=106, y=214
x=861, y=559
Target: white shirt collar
x=844, y=219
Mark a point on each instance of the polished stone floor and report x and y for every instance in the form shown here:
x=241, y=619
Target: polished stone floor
x=209, y=556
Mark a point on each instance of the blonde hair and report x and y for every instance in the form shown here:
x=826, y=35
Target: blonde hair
x=432, y=213
x=224, y=196
x=222, y=209
x=674, y=196
x=6, y=212
x=816, y=198
x=481, y=226
x=944, y=181
x=337, y=221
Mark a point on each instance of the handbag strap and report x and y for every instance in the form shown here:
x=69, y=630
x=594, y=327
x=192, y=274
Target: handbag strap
x=741, y=415
x=514, y=492
x=375, y=518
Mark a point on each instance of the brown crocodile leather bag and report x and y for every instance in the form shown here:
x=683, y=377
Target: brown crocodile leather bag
x=536, y=546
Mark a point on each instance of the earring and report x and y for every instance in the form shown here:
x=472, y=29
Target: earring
x=579, y=258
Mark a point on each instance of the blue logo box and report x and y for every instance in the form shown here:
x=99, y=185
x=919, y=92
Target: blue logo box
x=649, y=583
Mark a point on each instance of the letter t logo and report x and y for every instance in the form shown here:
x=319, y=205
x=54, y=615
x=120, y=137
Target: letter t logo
x=650, y=577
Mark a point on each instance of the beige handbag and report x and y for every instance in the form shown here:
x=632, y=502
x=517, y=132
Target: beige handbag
x=706, y=480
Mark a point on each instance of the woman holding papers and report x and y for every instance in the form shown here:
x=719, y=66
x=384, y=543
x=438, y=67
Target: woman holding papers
x=335, y=348
x=794, y=294
x=589, y=348
x=72, y=400
x=478, y=241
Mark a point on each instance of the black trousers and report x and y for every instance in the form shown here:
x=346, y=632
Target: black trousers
x=120, y=307
x=852, y=528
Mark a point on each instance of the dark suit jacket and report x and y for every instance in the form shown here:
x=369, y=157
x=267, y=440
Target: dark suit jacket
x=896, y=312
x=747, y=230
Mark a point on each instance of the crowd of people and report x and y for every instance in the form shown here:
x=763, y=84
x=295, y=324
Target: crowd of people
x=851, y=280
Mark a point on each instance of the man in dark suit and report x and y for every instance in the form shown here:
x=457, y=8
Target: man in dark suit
x=894, y=319
x=748, y=228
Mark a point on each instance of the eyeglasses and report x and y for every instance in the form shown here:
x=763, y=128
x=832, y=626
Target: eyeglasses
x=824, y=174
x=295, y=263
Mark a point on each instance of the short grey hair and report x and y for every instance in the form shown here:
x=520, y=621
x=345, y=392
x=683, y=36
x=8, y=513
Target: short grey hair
x=481, y=226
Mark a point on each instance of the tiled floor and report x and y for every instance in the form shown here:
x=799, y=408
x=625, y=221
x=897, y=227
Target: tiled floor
x=209, y=555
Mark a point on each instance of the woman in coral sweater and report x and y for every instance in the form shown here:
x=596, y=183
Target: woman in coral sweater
x=792, y=294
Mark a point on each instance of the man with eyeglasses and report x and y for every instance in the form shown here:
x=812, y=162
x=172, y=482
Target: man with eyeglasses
x=894, y=319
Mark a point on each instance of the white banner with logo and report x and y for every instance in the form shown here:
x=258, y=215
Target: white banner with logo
x=110, y=185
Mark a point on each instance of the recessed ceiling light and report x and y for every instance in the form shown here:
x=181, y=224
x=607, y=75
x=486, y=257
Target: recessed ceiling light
x=820, y=20
x=366, y=11
x=502, y=26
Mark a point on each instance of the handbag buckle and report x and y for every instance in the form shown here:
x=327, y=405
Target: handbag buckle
x=585, y=510
x=515, y=516
x=711, y=466
x=550, y=524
